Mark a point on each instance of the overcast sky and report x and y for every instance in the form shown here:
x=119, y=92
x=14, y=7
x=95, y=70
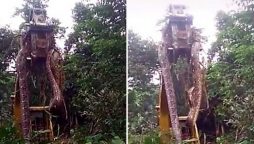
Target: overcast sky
x=143, y=15
x=57, y=8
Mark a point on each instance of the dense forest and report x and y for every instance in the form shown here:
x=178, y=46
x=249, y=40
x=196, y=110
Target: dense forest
x=94, y=67
x=230, y=73
x=143, y=90
x=95, y=75
x=229, y=79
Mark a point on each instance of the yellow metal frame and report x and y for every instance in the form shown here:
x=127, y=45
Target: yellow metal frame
x=16, y=106
x=165, y=122
x=164, y=118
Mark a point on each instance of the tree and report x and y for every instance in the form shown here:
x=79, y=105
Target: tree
x=143, y=63
x=95, y=66
x=24, y=11
x=142, y=66
x=230, y=78
x=8, y=48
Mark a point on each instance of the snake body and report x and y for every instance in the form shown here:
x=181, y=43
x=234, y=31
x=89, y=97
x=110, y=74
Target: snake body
x=54, y=76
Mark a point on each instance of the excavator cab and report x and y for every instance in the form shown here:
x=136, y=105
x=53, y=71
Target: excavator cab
x=38, y=16
x=180, y=26
x=39, y=31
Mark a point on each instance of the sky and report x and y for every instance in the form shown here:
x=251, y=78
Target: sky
x=57, y=8
x=143, y=16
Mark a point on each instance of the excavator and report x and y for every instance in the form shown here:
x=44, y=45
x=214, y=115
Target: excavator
x=182, y=87
x=39, y=108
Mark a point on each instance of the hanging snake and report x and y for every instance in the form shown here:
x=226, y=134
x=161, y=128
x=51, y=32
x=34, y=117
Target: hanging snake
x=194, y=93
x=53, y=63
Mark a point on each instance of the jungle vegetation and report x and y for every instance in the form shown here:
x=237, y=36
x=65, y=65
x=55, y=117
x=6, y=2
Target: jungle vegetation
x=229, y=78
x=94, y=66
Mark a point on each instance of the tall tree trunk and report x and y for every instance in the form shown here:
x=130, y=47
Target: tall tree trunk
x=170, y=92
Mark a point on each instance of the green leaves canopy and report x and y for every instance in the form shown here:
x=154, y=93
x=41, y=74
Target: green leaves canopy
x=142, y=66
x=95, y=65
x=231, y=76
x=8, y=49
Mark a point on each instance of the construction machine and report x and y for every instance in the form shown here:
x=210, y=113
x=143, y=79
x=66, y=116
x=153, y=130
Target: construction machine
x=182, y=90
x=38, y=102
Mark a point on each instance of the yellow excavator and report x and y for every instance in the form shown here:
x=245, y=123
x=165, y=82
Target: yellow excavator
x=182, y=90
x=38, y=102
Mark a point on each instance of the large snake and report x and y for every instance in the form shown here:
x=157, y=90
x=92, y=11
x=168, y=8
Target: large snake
x=57, y=103
x=195, y=93
x=170, y=92
x=23, y=74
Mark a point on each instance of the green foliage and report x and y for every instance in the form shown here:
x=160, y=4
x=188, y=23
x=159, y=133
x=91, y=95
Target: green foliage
x=95, y=66
x=95, y=71
x=143, y=64
x=142, y=113
x=8, y=48
x=79, y=137
x=151, y=137
x=24, y=11
x=117, y=140
x=142, y=60
x=230, y=78
x=8, y=135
